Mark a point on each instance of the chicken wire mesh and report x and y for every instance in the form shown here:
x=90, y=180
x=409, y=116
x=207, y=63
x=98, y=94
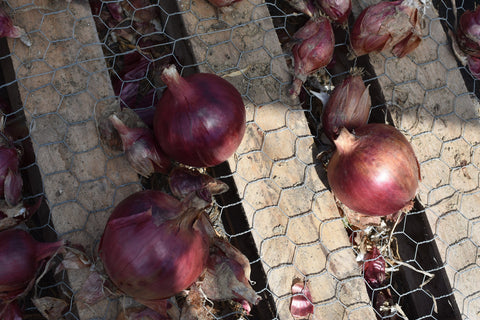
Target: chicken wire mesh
x=78, y=60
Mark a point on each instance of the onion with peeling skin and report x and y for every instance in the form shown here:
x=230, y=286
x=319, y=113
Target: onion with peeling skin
x=312, y=51
x=348, y=106
x=468, y=32
x=386, y=26
x=374, y=171
x=154, y=246
x=200, y=119
x=141, y=149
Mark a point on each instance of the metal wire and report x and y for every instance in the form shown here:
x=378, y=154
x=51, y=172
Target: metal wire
x=449, y=132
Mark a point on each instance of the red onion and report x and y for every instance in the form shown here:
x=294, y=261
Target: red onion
x=154, y=246
x=374, y=171
x=474, y=66
x=313, y=50
x=141, y=149
x=348, y=106
x=337, y=10
x=386, y=26
x=468, y=32
x=20, y=258
x=7, y=28
x=374, y=268
x=301, y=306
x=11, y=182
x=200, y=119
x=183, y=181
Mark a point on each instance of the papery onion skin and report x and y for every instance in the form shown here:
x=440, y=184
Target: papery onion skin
x=200, y=120
x=468, y=32
x=20, y=257
x=7, y=28
x=313, y=50
x=11, y=182
x=386, y=26
x=375, y=171
x=337, y=10
x=152, y=247
x=305, y=6
x=348, y=106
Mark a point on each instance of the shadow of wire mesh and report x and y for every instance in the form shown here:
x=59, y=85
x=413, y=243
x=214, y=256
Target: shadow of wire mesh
x=440, y=236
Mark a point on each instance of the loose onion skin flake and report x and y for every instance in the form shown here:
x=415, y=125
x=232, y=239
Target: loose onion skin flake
x=386, y=26
x=200, y=119
x=154, y=246
x=374, y=171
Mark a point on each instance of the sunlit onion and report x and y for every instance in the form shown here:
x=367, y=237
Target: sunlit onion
x=200, y=119
x=374, y=171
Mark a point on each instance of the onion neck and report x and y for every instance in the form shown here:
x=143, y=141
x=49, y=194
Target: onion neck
x=47, y=249
x=175, y=82
x=345, y=141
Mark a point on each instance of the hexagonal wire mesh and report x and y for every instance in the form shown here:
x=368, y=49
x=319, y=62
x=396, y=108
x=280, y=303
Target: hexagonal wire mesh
x=279, y=211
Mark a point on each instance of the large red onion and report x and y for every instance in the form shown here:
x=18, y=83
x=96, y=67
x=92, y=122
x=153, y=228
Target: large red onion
x=200, y=119
x=387, y=25
x=20, y=258
x=312, y=51
x=468, y=32
x=374, y=171
x=154, y=246
x=348, y=106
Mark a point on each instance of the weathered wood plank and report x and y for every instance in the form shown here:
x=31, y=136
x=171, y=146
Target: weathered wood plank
x=429, y=101
x=293, y=218
x=62, y=78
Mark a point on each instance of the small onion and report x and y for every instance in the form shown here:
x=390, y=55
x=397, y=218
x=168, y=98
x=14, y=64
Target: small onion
x=374, y=171
x=20, y=258
x=154, y=246
x=348, y=106
x=200, y=119
x=301, y=306
x=11, y=182
x=312, y=51
x=385, y=26
x=337, y=10
x=468, y=32
x=141, y=149
x=374, y=268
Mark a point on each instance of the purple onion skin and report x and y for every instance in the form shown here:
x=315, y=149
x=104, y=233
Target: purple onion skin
x=151, y=249
x=337, y=10
x=386, y=26
x=468, y=32
x=348, y=106
x=374, y=172
x=313, y=50
x=222, y=3
x=20, y=257
x=200, y=120
x=474, y=66
x=11, y=182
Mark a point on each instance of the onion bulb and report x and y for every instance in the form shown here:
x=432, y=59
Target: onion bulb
x=468, y=32
x=153, y=246
x=337, y=10
x=20, y=258
x=7, y=28
x=348, y=106
x=11, y=182
x=312, y=51
x=200, y=119
x=386, y=26
x=374, y=171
